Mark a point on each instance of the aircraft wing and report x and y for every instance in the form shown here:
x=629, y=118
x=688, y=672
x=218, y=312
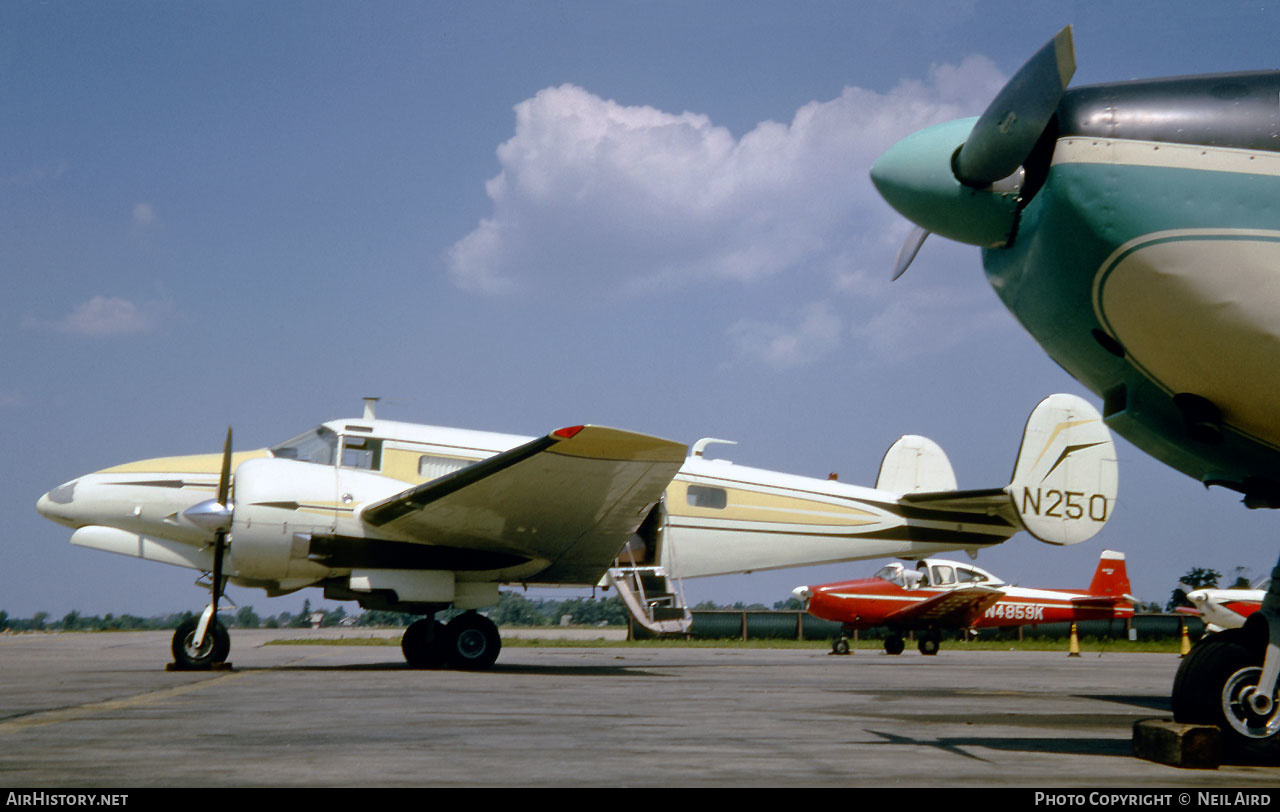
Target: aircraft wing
x=570, y=499
x=956, y=607
x=1094, y=602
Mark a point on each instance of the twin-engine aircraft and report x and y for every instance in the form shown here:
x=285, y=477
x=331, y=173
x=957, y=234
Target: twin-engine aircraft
x=940, y=594
x=1131, y=228
x=419, y=519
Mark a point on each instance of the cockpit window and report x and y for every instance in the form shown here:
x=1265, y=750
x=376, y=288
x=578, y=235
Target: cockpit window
x=893, y=574
x=968, y=576
x=318, y=445
x=943, y=576
x=362, y=452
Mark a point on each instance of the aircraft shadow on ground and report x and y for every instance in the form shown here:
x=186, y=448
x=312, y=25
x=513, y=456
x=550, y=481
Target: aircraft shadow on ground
x=554, y=670
x=1054, y=745
x=1155, y=703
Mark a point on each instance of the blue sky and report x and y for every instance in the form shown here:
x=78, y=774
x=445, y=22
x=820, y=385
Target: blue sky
x=518, y=216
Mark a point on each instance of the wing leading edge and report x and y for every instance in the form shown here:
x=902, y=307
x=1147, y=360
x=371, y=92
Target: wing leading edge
x=568, y=500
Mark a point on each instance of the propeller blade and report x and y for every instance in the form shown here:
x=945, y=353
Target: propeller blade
x=224, y=480
x=1012, y=123
x=215, y=514
x=907, y=253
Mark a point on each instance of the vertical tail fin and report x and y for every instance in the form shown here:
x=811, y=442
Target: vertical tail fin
x=915, y=464
x=1111, y=579
x=1064, y=483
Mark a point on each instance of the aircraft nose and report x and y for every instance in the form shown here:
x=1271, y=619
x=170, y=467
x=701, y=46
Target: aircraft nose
x=56, y=504
x=916, y=178
x=803, y=593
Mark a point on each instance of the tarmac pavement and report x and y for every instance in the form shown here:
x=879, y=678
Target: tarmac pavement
x=100, y=710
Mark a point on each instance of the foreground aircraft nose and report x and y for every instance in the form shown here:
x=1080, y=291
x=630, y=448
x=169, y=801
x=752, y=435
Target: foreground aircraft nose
x=962, y=179
x=56, y=504
x=803, y=593
x=915, y=177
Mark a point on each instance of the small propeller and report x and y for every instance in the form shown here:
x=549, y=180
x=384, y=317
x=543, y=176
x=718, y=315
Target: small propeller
x=215, y=515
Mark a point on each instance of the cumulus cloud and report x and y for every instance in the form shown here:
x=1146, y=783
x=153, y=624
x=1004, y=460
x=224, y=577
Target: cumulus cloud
x=785, y=345
x=592, y=190
x=104, y=316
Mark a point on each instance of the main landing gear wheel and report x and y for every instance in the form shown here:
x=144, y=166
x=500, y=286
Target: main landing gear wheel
x=1214, y=685
x=929, y=643
x=893, y=644
x=187, y=651
x=472, y=642
x=840, y=646
x=423, y=643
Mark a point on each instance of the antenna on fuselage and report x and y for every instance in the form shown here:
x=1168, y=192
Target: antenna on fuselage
x=368, y=407
x=702, y=444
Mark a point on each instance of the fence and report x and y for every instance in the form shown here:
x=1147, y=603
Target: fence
x=762, y=624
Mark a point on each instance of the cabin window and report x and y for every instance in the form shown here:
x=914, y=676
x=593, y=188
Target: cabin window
x=701, y=496
x=965, y=576
x=362, y=452
x=943, y=576
x=433, y=467
x=318, y=445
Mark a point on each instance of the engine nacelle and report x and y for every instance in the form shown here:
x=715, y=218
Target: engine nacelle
x=279, y=504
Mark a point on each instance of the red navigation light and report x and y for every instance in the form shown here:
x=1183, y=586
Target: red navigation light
x=568, y=431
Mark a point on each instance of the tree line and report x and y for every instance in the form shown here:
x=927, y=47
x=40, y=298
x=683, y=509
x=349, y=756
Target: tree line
x=513, y=609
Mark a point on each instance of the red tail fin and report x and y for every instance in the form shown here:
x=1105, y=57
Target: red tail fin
x=1111, y=579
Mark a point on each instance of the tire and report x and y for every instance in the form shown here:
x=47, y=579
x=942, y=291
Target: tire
x=423, y=643
x=472, y=642
x=893, y=644
x=217, y=645
x=1208, y=690
x=840, y=646
x=929, y=644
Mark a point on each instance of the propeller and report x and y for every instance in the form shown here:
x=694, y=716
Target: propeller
x=215, y=515
x=962, y=178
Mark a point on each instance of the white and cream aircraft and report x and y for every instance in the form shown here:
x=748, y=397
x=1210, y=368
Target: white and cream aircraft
x=419, y=519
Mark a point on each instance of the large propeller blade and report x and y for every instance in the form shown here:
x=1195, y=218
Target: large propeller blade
x=1010, y=126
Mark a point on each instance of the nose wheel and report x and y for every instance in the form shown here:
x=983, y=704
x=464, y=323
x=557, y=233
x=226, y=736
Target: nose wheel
x=191, y=652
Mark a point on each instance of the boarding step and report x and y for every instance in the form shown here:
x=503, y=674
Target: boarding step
x=653, y=598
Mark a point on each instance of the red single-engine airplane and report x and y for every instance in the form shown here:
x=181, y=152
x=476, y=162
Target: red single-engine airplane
x=942, y=594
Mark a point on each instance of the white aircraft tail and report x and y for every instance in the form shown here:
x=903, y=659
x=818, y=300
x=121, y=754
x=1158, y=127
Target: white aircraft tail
x=915, y=464
x=1064, y=483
